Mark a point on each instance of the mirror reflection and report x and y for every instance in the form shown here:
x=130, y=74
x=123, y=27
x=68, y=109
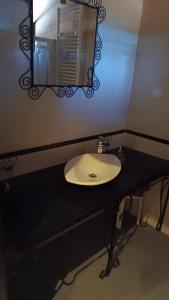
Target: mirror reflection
x=63, y=43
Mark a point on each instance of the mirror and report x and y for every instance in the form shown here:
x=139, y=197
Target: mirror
x=61, y=41
x=64, y=38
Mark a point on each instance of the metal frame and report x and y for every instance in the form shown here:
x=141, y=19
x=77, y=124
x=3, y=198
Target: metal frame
x=26, y=46
x=112, y=259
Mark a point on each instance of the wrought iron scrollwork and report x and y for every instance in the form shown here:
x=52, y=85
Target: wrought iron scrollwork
x=35, y=91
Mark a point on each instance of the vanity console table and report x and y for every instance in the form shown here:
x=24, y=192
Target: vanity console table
x=42, y=205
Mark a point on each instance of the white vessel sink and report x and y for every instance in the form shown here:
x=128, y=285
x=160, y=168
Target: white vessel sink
x=92, y=169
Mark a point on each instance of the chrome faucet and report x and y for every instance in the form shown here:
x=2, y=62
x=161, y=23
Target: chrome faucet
x=100, y=145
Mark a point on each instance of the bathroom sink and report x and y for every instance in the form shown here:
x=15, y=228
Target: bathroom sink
x=92, y=169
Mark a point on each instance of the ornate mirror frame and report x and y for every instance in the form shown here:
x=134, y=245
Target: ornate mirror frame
x=26, y=44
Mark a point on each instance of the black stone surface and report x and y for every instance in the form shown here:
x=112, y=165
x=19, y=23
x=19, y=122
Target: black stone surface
x=42, y=203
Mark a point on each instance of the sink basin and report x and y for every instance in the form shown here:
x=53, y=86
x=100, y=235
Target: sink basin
x=92, y=169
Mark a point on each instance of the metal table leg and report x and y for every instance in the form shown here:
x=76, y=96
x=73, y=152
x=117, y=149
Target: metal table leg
x=113, y=261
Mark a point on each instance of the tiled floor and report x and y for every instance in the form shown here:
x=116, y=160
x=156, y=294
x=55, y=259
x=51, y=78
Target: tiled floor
x=142, y=275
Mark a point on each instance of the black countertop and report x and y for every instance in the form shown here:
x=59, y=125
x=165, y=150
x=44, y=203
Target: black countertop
x=42, y=203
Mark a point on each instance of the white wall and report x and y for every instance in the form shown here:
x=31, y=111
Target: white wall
x=26, y=124
x=147, y=114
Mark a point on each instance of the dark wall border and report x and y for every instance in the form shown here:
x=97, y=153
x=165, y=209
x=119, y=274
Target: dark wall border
x=80, y=140
x=147, y=136
x=57, y=145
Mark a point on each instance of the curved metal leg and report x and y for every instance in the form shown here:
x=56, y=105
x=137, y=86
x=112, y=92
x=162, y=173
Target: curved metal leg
x=113, y=261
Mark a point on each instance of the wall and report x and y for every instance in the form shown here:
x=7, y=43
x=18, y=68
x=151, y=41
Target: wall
x=26, y=124
x=149, y=113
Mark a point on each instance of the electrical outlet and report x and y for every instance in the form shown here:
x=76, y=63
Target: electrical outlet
x=156, y=94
